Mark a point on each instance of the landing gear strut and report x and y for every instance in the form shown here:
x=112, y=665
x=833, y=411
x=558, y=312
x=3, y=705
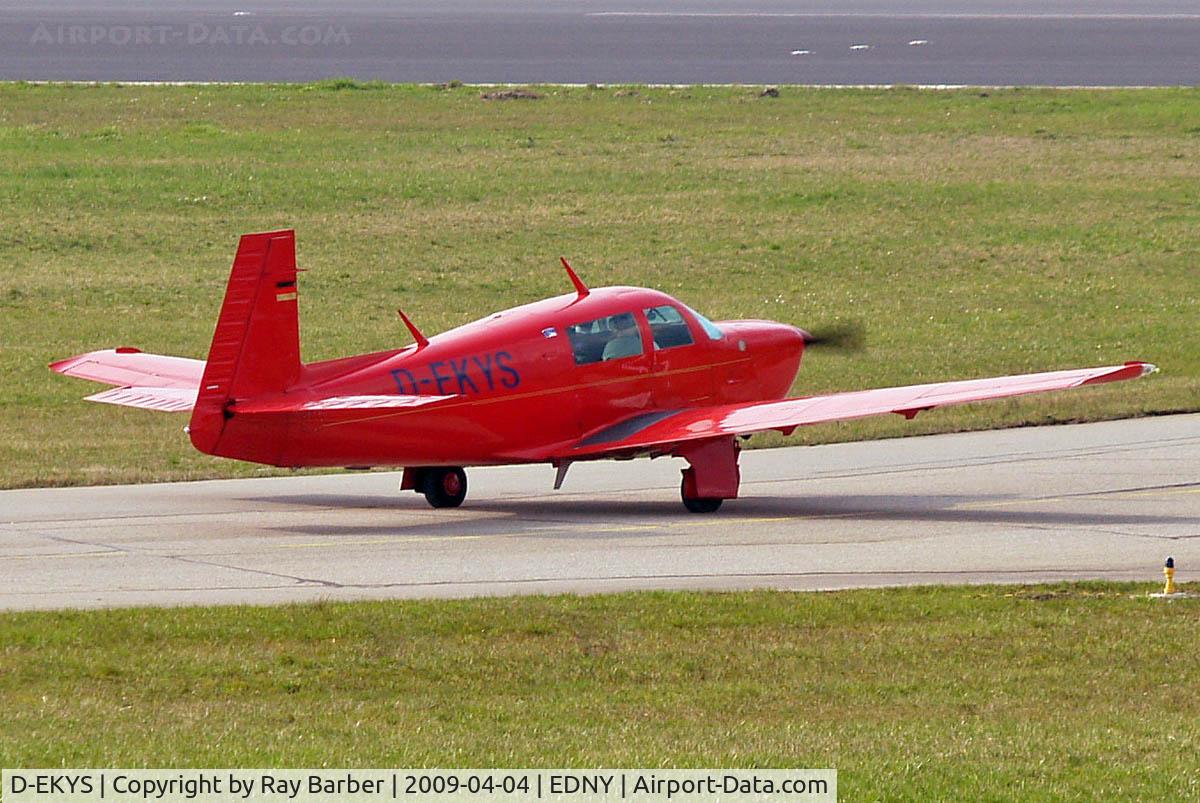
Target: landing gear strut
x=712, y=475
x=443, y=486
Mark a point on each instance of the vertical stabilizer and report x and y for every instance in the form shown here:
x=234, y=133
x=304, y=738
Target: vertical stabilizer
x=256, y=346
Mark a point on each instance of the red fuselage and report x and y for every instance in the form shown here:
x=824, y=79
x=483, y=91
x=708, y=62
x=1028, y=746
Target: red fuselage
x=522, y=382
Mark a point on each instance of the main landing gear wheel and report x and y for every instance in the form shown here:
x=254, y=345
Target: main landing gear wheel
x=445, y=487
x=698, y=504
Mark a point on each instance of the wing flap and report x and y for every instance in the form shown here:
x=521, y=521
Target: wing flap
x=130, y=367
x=787, y=414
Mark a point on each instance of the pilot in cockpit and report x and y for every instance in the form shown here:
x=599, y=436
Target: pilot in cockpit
x=627, y=341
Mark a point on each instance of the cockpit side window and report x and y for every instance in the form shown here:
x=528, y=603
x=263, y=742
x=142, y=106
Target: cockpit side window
x=668, y=327
x=609, y=338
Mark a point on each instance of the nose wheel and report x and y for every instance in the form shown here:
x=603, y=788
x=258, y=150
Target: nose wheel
x=443, y=487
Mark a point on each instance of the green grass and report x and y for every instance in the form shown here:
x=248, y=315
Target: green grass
x=990, y=693
x=973, y=233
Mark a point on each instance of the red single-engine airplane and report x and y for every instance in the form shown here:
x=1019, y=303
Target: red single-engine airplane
x=615, y=372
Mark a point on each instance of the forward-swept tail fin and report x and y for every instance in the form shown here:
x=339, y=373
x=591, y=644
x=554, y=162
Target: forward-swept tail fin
x=256, y=346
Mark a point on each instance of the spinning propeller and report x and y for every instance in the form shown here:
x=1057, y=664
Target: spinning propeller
x=837, y=337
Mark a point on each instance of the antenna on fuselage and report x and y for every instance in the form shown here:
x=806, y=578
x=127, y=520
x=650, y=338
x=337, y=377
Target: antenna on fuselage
x=422, y=341
x=580, y=287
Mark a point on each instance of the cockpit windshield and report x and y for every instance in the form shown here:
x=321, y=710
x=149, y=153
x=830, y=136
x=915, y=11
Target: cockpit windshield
x=711, y=329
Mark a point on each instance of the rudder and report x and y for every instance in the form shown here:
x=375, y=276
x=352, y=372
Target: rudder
x=256, y=346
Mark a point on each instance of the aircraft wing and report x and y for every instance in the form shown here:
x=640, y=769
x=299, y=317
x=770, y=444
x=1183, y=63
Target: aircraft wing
x=664, y=428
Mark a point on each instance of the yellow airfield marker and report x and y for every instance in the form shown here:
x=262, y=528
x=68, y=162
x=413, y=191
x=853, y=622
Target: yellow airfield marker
x=1169, y=590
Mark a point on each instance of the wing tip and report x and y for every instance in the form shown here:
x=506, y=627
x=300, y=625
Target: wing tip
x=1133, y=369
x=67, y=363
x=63, y=365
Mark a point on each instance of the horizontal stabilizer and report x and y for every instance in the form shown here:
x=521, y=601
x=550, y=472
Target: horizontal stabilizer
x=166, y=400
x=148, y=381
x=127, y=366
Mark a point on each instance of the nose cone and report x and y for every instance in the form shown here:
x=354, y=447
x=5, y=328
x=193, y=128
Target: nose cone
x=782, y=347
x=793, y=335
x=782, y=338
x=775, y=350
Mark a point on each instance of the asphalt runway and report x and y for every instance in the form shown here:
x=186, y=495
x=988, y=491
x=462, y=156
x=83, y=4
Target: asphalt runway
x=985, y=42
x=1107, y=500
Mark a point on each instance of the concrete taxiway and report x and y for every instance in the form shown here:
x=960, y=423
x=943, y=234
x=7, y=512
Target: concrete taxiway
x=1107, y=500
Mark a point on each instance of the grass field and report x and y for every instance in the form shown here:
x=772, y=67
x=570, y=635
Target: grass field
x=972, y=233
x=993, y=693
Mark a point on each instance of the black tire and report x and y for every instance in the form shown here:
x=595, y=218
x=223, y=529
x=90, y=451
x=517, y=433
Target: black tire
x=445, y=487
x=698, y=504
